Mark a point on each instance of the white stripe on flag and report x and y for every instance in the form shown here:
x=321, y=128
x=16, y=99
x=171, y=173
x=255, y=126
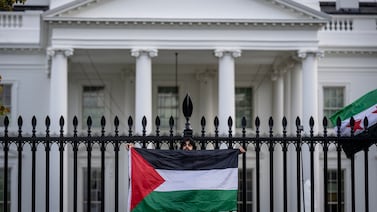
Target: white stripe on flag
x=215, y=179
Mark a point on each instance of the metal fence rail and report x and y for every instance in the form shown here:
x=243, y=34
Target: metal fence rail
x=115, y=141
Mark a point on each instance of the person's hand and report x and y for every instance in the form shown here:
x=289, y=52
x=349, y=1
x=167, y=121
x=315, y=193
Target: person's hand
x=129, y=146
x=242, y=150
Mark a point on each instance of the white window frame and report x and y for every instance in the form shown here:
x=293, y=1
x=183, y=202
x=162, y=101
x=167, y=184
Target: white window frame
x=321, y=101
x=14, y=104
x=177, y=124
x=109, y=175
x=108, y=105
x=249, y=123
x=12, y=165
x=332, y=165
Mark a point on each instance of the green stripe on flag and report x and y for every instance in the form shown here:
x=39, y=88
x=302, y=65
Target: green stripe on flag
x=189, y=201
x=361, y=104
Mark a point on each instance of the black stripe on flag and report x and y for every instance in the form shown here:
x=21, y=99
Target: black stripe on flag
x=190, y=160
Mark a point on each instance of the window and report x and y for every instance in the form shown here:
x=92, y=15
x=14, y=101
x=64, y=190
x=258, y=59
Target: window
x=167, y=105
x=332, y=193
x=2, y=189
x=244, y=101
x=95, y=189
x=249, y=190
x=5, y=101
x=333, y=100
x=93, y=105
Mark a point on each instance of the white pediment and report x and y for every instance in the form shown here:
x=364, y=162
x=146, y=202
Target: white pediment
x=186, y=10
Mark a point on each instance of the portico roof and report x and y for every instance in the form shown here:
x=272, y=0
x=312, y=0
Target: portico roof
x=210, y=12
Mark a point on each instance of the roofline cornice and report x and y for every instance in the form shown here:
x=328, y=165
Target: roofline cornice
x=304, y=9
x=188, y=22
x=55, y=15
x=69, y=6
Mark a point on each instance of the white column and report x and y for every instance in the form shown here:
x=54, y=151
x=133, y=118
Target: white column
x=295, y=111
x=143, y=88
x=129, y=95
x=310, y=87
x=287, y=98
x=58, y=87
x=277, y=101
x=296, y=95
x=58, y=108
x=226, y=87
x=206, y=98
x=277, y=111
x=310, y=109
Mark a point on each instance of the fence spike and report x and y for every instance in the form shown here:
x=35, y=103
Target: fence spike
x=298, y=122
x=6, y=124
x=338, y=122
x=187, y=107
x=130, y=122
x=203, y=122
x=338, y=125
x=257, y=122
x=116, y=124
x=19, y=121
x=243, y=122
x=89, y=121
x=103, y=122
x=171, y=122
x=311, y=125
x=366, y=123
x=6, y=121
x=157, y=122
x=325, y=122
x=311, y=122
x=230, y=122
x=352, y=125
x=47, y=122
x=284, y=122
x=34, y=122
x=75, y=124
x=75, y=121
x=216, y=122
x=61, y=121
x=171, y=125
x=270, y=122
x=144, y=124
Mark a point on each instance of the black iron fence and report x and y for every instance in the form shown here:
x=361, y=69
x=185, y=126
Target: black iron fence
x=257, y=141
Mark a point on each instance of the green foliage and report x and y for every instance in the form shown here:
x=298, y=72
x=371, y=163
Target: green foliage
x=7, y=5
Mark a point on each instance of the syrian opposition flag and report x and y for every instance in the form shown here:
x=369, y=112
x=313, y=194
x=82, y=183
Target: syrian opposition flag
x=166, y=180
x=365, y=106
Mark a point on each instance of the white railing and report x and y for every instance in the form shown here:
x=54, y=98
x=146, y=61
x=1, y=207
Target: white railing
x=11, y=19
x=339, y=24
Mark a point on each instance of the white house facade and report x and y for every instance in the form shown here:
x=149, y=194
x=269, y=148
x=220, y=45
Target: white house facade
x=139, y=58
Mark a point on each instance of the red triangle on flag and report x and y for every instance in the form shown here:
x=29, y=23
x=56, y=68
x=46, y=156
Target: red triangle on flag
x=144, y=178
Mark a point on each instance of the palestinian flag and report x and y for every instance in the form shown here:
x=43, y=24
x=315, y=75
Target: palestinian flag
x=365, y=106
x=166, y=180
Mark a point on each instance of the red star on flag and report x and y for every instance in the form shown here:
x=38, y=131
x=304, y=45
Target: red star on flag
x=356, y=126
